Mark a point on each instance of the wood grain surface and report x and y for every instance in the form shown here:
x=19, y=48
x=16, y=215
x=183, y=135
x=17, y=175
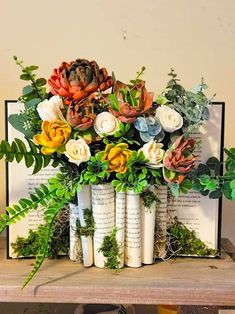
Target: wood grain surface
x=178, y=281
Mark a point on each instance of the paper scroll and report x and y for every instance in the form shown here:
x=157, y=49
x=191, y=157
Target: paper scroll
x=120, y=224
x=75, y=250
x=103, y=206
x=132, y=230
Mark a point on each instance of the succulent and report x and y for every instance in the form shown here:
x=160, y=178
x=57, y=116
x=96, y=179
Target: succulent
x=79, y=79
x=149, y=129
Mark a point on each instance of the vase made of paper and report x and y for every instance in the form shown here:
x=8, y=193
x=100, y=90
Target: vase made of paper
x=112, y=229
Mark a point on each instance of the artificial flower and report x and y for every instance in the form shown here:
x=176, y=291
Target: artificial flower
x=132, y=101
x=179, y=159
x=77, y=151
x=81, y=115
x=154, y=153
x=50, y=109
x=78, y=79
x=117, y=156
x=106, y=124
x=149, y=128
x=170, y=119
x=53, y=137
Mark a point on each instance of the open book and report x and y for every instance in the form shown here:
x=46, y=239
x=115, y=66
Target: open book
x=197, y=212
x=20, y=183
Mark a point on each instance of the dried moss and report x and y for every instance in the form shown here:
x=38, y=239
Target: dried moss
x=89, y=229
x=110, y=250
x=59, y=244
x=183, y=241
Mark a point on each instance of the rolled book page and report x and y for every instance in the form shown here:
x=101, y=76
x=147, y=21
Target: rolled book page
x=160, y=238
x=103, y=206
x=148, y=231
x=84, y=203
x=132, y=230
x=75, y=250
x=120, y=223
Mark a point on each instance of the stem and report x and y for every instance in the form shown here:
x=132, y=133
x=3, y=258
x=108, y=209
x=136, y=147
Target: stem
x=30, y=76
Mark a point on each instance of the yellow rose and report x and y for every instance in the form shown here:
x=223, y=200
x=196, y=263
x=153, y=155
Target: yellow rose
x=117, y=156
x=53, y=137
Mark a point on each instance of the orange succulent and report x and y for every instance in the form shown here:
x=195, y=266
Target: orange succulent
x=54, y=136
x=117, y=156
x=79, y=79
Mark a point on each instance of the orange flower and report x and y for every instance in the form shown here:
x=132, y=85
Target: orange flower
x=53, y=137
x=78, y=79
x=117, y=156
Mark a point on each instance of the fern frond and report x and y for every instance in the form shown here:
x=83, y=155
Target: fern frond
x=45, y=234
x=16, y=212
x=17, y=151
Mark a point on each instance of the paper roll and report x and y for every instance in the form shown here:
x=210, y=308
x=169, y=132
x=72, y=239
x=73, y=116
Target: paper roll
x=103, y=207
x=148, y=231
x=120, y=223
x=75, y=249
x=132, y=230
x=160, y=238
x=84, y=201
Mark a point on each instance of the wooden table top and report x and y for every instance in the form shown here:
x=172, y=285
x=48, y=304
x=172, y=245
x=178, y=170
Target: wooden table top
x=201, y=281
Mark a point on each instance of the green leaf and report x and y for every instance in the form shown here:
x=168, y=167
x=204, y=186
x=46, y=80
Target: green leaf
x=32, y=103
x=27, y=90
x=215, y=194
x=18, y=122
x=40, y=82
x=204, y=179
x=25, y=77
x=232, y=184
x=31, y=68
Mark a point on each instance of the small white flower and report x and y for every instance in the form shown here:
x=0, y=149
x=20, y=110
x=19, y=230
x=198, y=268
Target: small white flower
x=170, y=119
x=154, y=153
x=50, y=109
x=106, y=124
x=77, y=151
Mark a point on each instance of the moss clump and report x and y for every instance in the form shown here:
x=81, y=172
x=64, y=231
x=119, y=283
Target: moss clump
x=149, y=197
x=59, y=242
x=89, y=229
x=110, y=250
x=183, y=241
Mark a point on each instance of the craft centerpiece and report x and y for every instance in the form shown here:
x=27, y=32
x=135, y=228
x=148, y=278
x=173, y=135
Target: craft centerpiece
x=118, y=149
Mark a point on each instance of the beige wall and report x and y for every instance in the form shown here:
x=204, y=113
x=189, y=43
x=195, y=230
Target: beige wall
x=197, y=38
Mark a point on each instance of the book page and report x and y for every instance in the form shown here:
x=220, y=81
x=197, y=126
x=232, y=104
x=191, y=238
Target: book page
x=160, y=236
x=103, y=208
x=21, y=183
x=133, y=230
x=198, y=212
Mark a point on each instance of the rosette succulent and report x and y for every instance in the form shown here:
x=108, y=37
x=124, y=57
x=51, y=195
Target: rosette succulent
x=149, y=129
x=130, y=101
x=179, y=159
x=78, y=79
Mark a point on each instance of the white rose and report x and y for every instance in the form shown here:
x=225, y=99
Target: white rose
x=106, y=124
x=154, y=153
x=170, y=119
x=77, y=151
x=50, y=109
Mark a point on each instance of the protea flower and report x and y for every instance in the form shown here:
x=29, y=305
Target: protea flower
x=179, y=159
x=130, y=101
x=78, y=79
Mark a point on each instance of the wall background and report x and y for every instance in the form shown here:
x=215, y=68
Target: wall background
x=196, y=38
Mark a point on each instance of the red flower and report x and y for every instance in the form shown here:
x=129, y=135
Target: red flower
x=79, y=79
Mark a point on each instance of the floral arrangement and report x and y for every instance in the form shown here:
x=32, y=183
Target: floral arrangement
x=98, y=129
